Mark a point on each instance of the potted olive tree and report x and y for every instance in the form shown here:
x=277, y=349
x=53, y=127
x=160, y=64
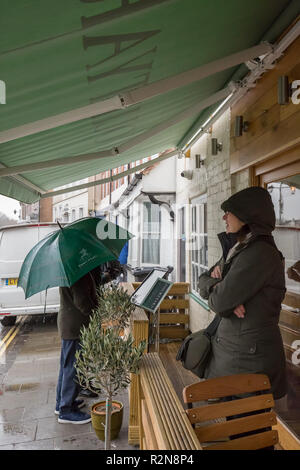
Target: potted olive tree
x=107, y=358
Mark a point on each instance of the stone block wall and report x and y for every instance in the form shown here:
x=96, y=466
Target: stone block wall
x=215, y=180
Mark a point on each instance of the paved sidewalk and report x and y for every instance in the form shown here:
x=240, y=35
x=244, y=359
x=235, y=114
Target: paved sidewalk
x=28, y=375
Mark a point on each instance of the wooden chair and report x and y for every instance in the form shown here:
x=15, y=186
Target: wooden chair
x=221, y=424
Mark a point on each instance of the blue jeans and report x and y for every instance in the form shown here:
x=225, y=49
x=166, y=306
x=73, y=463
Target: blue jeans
x=67, y=387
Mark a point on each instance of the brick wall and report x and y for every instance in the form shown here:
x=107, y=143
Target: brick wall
x=46, y=210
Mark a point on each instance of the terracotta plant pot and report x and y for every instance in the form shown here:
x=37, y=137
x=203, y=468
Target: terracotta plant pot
x=98, y=419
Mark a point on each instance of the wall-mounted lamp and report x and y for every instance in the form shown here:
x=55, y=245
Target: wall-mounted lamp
x=188, y=174
x=199, y=161
x=216, y=146
x=240, y=126
x=284, y=90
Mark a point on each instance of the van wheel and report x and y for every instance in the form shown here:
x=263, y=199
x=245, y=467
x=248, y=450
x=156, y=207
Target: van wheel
x=8, y=321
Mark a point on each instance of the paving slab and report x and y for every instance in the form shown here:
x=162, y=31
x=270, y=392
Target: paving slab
x=28, y=377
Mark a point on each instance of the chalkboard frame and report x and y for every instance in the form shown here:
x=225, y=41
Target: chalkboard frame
x=167, y=286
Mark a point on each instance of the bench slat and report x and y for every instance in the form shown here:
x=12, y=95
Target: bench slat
x=257, y=441
x=168, y=304
x=178, y=288
x=230, y=408
x=235, y=426
x=222, y=387
x=166, y=318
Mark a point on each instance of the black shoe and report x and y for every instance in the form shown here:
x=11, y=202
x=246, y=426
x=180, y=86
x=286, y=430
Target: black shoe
x=87, y=394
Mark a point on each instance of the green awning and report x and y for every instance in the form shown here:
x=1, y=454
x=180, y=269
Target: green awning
x=61, y=56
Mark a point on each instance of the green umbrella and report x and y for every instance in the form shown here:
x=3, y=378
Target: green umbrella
x=64, y=256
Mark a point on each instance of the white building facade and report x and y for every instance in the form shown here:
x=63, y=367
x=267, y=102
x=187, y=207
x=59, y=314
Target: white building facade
x=71, y=206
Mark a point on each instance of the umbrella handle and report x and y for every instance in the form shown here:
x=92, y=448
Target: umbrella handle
x=59, y=225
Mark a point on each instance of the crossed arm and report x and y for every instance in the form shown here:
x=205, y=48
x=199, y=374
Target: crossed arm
x=239, y=311
x=247, y=275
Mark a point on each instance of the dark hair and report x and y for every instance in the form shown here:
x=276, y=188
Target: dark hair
x=243, y=232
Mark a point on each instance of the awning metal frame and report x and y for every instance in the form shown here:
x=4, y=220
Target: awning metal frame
x=25, y=182
x=112, y=178
x=191, y=111
x=137, y=95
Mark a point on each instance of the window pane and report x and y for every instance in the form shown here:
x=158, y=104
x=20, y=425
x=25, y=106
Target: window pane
x=286, y=199
x=201, y=250
x=151, y=250
x=198, y=245
x=151, y=233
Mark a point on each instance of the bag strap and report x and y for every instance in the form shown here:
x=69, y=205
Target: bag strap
x=213, y=326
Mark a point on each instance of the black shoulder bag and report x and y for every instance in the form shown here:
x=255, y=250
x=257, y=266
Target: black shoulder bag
x=194, y=352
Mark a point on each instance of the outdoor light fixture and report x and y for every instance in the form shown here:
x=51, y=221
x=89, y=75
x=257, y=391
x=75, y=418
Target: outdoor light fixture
x=284, y=90
x=199, y=162
x=188, y=174
x=240, y=126
x=215, y=146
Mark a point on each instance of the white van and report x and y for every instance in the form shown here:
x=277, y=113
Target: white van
x=15, y=242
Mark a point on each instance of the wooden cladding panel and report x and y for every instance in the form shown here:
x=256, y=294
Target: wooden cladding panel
x=290, y=318
x=273, y=128
x=292, y=299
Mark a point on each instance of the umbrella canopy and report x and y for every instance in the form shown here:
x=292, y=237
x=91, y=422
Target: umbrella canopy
x=63, y=257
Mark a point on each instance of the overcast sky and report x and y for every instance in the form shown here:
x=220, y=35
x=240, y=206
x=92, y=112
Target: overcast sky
x=8, y=205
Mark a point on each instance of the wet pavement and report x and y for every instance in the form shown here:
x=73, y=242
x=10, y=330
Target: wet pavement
x=28, y=376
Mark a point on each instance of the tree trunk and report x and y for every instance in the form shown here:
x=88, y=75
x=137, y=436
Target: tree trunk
x=108, y=422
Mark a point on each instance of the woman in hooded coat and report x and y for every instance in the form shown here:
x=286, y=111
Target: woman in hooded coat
x=246, y=288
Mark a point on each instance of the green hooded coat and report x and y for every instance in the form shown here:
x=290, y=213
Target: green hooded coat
x=252, y=276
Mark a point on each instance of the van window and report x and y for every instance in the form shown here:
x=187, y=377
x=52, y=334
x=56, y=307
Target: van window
x=15, y=244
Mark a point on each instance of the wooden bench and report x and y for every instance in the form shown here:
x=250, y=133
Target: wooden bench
x=163, y=422
x=174, y=311
x=249, y=412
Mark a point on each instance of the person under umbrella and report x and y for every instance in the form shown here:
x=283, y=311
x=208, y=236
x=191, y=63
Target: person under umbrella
x=65, y=259
x=76, y=305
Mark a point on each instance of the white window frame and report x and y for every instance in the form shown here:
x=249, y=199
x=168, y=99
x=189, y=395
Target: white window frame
x=154, y=234
x=199, y=240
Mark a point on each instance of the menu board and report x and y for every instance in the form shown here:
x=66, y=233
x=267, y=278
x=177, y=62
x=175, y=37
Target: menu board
x=152, y=291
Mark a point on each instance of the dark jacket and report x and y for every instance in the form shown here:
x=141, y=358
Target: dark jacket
x=76, y=305
x=254, y=277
